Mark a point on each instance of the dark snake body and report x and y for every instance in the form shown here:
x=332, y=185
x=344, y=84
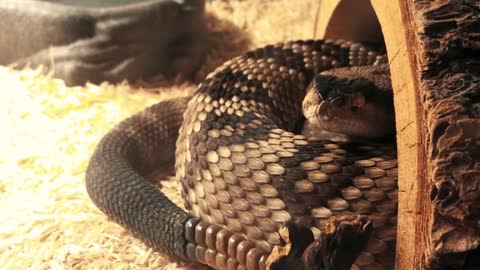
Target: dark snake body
x=243, y=172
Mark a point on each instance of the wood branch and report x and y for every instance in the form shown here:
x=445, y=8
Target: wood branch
x=433, y=49
x=336, y=249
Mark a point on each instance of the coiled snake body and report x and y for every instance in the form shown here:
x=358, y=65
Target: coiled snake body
x=243, y=170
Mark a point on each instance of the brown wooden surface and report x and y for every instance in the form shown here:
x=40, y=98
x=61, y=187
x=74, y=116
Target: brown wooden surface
x=354, y=19
x=409, y=143
x=432, y=48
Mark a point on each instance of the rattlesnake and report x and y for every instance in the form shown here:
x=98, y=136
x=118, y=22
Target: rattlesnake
x=243, y=170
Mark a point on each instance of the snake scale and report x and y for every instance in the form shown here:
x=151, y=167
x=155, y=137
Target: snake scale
x=243, y=167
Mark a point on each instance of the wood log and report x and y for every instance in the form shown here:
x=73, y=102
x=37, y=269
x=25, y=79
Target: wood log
x=434, y=55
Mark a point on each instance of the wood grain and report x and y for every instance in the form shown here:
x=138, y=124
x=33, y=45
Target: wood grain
x=432, y=48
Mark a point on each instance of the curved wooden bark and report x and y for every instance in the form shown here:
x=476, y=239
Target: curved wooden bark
x=354, y=19
x=434, y=53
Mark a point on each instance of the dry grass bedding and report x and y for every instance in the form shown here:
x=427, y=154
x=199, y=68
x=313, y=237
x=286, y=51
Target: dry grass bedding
x=49, y=132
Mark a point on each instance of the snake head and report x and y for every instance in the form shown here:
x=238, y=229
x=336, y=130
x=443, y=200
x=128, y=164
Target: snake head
x=350, y=101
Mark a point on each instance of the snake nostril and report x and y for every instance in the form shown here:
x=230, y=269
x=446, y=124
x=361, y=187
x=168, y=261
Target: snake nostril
x=324, y=109
x=338, y=101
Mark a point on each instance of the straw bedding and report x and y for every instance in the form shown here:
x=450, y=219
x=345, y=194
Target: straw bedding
x=49, y=132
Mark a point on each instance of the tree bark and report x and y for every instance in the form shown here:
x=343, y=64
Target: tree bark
x=434, y=54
